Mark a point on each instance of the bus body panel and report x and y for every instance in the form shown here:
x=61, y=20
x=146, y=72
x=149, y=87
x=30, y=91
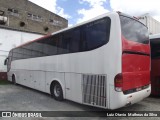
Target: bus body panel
x=120, y=100
x=71, y=85
x=39, y=79
x=136, y=71
x=135, y=46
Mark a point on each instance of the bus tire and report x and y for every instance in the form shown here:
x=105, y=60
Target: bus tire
x=13, y=79
x=56, y=91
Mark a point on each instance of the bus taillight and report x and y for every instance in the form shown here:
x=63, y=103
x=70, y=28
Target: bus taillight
x=118, y=82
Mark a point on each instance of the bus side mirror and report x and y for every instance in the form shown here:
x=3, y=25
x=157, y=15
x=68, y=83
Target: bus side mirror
x=6, y=61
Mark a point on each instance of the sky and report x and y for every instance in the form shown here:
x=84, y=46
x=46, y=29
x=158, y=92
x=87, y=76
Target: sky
x=77, y=11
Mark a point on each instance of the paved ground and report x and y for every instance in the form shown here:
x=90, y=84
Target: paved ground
x=19, y=98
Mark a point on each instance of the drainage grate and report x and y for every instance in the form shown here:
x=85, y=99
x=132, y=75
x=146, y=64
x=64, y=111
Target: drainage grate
x=94, y=89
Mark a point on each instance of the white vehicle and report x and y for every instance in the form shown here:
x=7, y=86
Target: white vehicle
x=88, y=63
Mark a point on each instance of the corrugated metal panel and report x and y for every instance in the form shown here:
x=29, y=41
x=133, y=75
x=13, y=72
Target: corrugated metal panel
x=152, y=24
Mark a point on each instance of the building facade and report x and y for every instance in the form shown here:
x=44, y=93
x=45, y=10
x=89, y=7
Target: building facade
x=152, y=24
x=27, y=16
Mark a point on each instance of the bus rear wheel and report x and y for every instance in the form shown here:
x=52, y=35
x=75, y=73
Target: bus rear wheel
x=13, y=79
x=56, y=91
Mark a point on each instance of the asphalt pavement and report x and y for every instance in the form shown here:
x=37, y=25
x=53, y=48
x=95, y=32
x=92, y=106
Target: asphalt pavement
x=20, y=98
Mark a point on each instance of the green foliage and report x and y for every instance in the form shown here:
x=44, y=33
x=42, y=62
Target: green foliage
x=4, y=82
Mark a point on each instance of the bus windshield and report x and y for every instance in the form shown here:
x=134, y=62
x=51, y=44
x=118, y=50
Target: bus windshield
x=133, y=30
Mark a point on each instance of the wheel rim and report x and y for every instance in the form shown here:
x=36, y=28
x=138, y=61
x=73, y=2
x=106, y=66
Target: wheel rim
x=57, y=90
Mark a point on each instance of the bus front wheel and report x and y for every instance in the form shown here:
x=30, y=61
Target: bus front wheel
x=13, y=79
x=56, y=91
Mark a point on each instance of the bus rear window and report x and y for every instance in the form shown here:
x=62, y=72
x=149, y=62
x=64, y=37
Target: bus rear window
x=134, y=30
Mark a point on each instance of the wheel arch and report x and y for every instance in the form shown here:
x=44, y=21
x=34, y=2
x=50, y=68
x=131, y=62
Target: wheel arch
x=63, y=86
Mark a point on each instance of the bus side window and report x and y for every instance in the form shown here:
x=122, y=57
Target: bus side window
x=37, y=49
x=50, y=46
x=96, y=34
x=27, y=51
x=75, y=41
x=64, y=42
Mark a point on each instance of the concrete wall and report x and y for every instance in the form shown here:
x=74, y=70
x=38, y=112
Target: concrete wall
x=25, y=7
x=10, y=39
x=152, y=24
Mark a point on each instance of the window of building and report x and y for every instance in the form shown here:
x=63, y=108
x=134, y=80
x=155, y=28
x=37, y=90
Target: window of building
x=34, y=17
x=10, y=10
x=51, y=20
x=1, y=12
x=13, y=12
x=39, y=17
x=29, y=15
x=55, y=22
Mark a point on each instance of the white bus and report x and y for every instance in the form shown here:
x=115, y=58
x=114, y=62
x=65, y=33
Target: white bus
x=99, y=62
